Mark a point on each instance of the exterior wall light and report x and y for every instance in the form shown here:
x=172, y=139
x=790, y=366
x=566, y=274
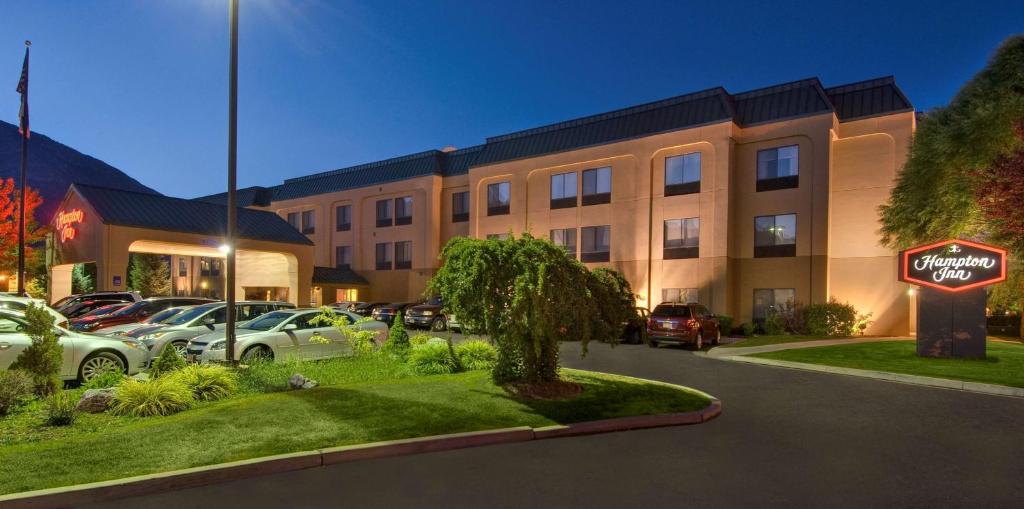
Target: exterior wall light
x=224, y=249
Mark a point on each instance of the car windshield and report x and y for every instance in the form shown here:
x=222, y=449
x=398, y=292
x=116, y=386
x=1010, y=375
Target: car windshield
x=672, y=311
x=131, y=309
x=188, y=315
x=268, y=321
x=163, y=315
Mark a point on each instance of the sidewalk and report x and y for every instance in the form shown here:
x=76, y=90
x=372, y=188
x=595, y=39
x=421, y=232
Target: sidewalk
x=719, y=352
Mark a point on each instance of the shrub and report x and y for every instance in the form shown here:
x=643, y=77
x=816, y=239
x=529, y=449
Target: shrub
x=432, y=359
x=833, y=318
x=15, y=387
x=725, y=324
x=476, y=354
x=614, y=301
x=105, y=380
x=398, y=338
x=362, y=341
x=44, y=358
x=208, y=383
x=159, y=396
x=421, y=339
x=168, y=362
x=60, y=409
x=747, y=329
x=775, y=324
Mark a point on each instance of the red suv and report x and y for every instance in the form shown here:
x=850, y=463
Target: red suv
x=674, y=322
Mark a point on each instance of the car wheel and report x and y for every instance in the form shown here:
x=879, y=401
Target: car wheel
x=652, y=343
x=718, y=337
x=98, y=363
x=181, y=347
x=698, y=342
x=438, y=324
x=258, y=353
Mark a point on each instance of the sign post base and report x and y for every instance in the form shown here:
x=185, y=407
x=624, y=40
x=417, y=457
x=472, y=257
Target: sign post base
x=951, y=324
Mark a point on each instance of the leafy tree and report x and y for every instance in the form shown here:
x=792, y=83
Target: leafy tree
x=615, y=302
x=149, y=274
x=44, y=358
x=525, y=293
x=953, y=154
x=83, y=280
x=362, y=341
x=10, y=201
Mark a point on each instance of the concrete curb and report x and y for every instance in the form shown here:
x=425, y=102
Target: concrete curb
x=74, y=496
x=726, y=351
x=981, y=388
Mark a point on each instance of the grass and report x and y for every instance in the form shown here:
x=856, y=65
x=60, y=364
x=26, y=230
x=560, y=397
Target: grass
x=1003, y=366
x=103, y=447
x=774, y=340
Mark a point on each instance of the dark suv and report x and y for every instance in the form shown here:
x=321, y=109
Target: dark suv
x=675, y=322
x=388, y=313
x=427, y=315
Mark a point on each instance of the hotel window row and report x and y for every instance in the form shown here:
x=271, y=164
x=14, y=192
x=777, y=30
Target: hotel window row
x=402, y=212
x=305, y=221
x=595, y=242
x=402, y=255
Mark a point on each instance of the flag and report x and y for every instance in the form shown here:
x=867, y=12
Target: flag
x=23, y=90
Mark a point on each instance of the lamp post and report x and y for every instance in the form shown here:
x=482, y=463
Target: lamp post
x=232, y=163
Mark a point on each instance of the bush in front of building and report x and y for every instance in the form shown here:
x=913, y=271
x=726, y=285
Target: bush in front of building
x=832, y=318
x=43, y=359
x=747, y=329
x=168, y=362
x=774, y=324
x=16, y=387
x=725, y=324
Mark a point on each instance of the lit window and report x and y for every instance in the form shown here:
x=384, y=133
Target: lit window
x=682, y=238
x=775, y=236
x=682, y=174
x=597, y=186
x=563, y=190
x=566, y=239
x=778, y=168
x=596, y=242
x=499, y=196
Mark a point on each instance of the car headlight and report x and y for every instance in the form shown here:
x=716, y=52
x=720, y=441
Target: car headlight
x=428, y=313
x=131, y=343
x=151, y=336
x=218, y=345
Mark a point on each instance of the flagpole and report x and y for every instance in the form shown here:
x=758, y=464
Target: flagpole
x=24, y=187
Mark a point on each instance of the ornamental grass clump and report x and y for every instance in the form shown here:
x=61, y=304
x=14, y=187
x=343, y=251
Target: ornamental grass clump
x=433, y=359
x=208, y=383
x=60, y=409
x=159, y=396
x=476, y=355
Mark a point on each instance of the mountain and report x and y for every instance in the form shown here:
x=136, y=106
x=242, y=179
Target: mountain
x=53, y=167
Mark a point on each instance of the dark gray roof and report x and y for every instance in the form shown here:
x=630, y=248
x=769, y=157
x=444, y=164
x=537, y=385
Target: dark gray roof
x=770, y=104
x=335, y=276
x=142, y=210
x=256, y=196
x=868, y=98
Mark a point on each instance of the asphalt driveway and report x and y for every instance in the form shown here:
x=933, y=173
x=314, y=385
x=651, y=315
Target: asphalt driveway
x=786, y=438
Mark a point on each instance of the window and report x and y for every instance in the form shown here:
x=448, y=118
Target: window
x=778, y=168
x=460, y=207
x=497, y=236
x=384, y=256
x=343, y=218
x=182, y=267
x=498, y=198
x=595, y=243
x=566, y=239
x=215, y=267
x=403, y=254
x=679, y=295
x=343, y=257
x=383, y=213
x=293, y=219
x=770, y=300
x=597, y=186
x=682, y=174
x=775, y=236
x=563, y=190
x=403, y=210
x=308, y=222
x=682, y=238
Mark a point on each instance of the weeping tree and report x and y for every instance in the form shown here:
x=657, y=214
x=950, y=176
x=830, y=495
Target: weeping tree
x=527, y=295
x=965, y=172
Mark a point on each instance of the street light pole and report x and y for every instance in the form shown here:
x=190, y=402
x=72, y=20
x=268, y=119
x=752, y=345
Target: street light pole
x=232, y=167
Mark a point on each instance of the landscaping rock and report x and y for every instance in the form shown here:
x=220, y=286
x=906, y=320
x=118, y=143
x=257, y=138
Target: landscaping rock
x=298, y=381
x=95, y=401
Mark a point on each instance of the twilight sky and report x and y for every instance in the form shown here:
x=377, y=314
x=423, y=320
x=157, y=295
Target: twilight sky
x=330, y=83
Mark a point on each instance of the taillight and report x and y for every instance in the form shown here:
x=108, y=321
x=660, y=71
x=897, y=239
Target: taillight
x=693, y=324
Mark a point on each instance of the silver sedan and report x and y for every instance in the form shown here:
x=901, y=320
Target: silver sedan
x=283, y=335
x=85, y=355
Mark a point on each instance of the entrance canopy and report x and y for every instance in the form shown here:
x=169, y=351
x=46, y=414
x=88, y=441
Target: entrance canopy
x=102, y=226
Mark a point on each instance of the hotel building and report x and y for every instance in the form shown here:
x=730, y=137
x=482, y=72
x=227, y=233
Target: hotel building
x=738, y=201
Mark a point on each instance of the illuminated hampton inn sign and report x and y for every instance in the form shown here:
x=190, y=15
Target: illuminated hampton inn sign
x=953, y=265
x=66, y=221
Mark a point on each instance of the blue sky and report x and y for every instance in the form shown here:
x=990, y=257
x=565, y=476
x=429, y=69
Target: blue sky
x=327, y=84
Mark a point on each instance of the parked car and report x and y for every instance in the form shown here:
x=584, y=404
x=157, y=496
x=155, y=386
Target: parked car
x=428, y=315
x=199, y=320
x=16, y=303
x=635, y=331
x=105, y=310
x=673, y=322
x=154, y=321
x=112, y=297
x=134, y=312
x=85, y=355
x=366, y=308
x=388, y=312
x=346, y=305
x=84, y=307
x=282, y=335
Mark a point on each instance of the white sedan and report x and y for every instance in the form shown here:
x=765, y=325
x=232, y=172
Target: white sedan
x=283, y=335
x=16, y=303
x=85, y=355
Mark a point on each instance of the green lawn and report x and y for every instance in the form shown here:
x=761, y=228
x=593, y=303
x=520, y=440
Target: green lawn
x=773, y=340
x=1004, y=365
x=103, y=447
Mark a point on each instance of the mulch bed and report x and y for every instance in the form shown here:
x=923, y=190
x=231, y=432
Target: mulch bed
x=556, y=390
